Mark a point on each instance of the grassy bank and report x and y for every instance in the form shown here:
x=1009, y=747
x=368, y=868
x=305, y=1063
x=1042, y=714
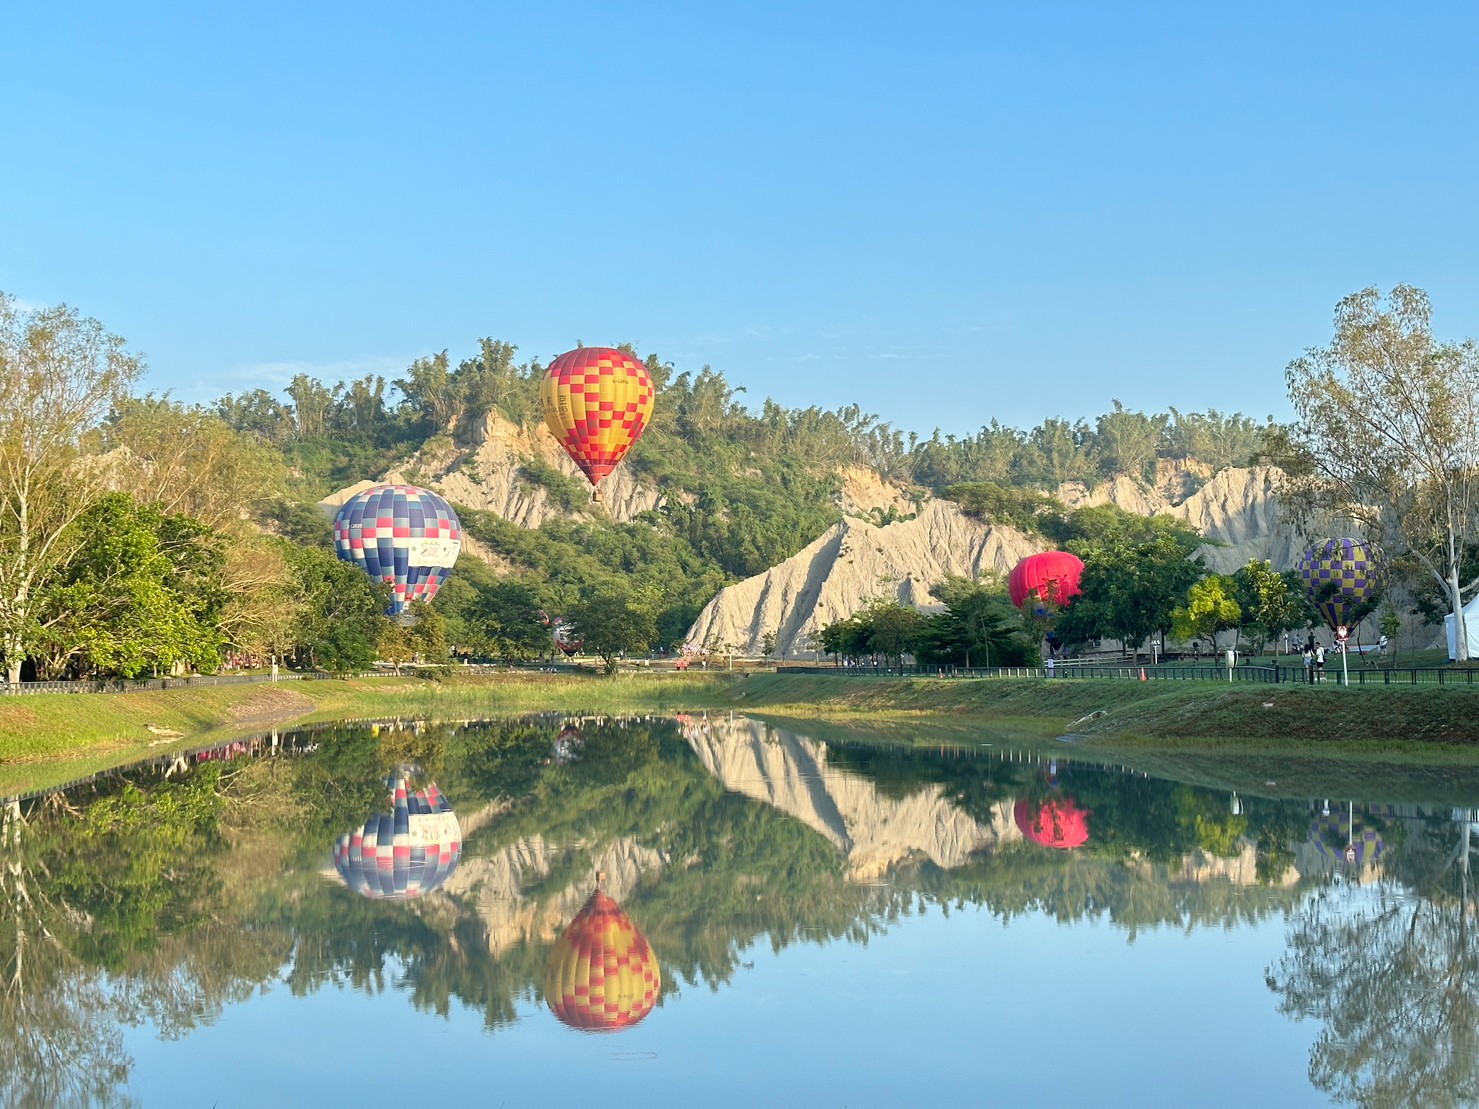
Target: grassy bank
x=52, y=738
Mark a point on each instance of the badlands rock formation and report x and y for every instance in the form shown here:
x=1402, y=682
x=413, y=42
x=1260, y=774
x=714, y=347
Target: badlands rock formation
x=854, y=561
x=1237, y=509
x=874, y=832
x=486, y=476
x=849, y=564
x=495, y=884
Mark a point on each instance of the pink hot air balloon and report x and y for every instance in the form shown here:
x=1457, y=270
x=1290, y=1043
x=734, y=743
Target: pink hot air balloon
x=1050, y=576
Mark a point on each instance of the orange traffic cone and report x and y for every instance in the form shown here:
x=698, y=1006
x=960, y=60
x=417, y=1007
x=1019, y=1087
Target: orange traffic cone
x=1142, y=674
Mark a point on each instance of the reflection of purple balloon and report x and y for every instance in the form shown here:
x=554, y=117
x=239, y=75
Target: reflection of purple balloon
x=1339, y=575
x=403, y=853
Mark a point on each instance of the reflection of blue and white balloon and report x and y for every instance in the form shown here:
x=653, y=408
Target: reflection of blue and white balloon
x=403, y=853
x=402, y=535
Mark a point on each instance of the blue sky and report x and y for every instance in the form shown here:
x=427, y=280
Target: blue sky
x=943, y=212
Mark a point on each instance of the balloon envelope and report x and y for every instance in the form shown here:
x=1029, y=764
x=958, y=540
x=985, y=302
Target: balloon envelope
x=403, y=853
x=1057, y=822
x=402, y=535
x=565, y=637
x=1339, y=575
x=602, y=976
x=597, y=402
x=1050, y=576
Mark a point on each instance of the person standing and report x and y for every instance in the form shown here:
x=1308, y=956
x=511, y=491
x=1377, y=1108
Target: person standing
x=1320, y=662
x=1309, y=666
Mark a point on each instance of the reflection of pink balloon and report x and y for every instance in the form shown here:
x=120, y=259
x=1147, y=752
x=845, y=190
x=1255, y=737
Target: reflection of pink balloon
x=1057, y=822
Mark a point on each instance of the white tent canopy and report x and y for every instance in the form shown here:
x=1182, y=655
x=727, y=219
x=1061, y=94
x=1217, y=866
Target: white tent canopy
x=1471, y=628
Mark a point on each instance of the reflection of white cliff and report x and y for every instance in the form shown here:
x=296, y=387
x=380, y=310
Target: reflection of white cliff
x=495, y=885
x=873, y=831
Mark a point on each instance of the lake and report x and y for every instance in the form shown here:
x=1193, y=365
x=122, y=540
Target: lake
x=710, y=909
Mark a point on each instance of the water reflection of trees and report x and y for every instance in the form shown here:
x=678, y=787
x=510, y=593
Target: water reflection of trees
x=1392, y=971
x=165, y=900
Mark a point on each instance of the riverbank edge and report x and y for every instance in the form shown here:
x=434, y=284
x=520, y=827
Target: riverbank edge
x=50, y=738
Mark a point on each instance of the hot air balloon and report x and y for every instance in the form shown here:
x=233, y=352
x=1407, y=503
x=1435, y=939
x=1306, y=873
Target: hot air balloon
x=597, y=401
x=565, y=637
x=602, y=976
x=1056, y=822
x=403, y=853
x=401, y=535
x=1050, y=576
x=1339, y=576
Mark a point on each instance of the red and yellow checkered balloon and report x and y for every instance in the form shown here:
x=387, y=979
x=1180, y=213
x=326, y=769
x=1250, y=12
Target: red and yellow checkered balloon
x=602, y=976
x=597, y=401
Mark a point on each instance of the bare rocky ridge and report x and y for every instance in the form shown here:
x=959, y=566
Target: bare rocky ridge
x=854, y=562
x=848, y=565
x=1237, y=509
x=486, y=475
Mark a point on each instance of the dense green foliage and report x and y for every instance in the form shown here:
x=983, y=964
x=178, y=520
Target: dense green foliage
x=978, y=627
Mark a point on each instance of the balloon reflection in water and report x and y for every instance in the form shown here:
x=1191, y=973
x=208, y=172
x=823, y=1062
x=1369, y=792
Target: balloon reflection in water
x=602, y=976
x=403, y=853
x=1056, y=822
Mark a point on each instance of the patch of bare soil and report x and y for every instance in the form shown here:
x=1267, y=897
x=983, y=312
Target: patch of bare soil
x=268, y=706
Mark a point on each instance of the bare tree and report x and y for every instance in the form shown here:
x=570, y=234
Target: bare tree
x=1388, y=434
x=60, y=374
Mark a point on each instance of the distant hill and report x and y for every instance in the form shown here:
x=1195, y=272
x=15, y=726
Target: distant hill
x=716, y=495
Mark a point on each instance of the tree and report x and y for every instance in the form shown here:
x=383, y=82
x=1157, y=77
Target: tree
x=141, y=595
x=1271, y=603
x=1126, y=442
x=1388, y=434
x=343, y=614
x=1129, y=590
x=1209, y=609
x=894, y=629
x=263, y=604
x=612, y=620
x=190, y=461
x=977, y=628
x=60, y=373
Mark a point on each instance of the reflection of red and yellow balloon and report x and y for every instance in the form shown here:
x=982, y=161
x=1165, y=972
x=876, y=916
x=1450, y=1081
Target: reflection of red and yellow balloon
x=597, y=402
x=1057, y=822
x=602, y=976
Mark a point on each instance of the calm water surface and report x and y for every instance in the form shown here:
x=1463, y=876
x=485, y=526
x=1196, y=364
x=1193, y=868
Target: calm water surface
x=410, y=911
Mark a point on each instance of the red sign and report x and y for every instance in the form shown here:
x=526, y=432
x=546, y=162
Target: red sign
x=1342, y=632
x=1350, y=853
